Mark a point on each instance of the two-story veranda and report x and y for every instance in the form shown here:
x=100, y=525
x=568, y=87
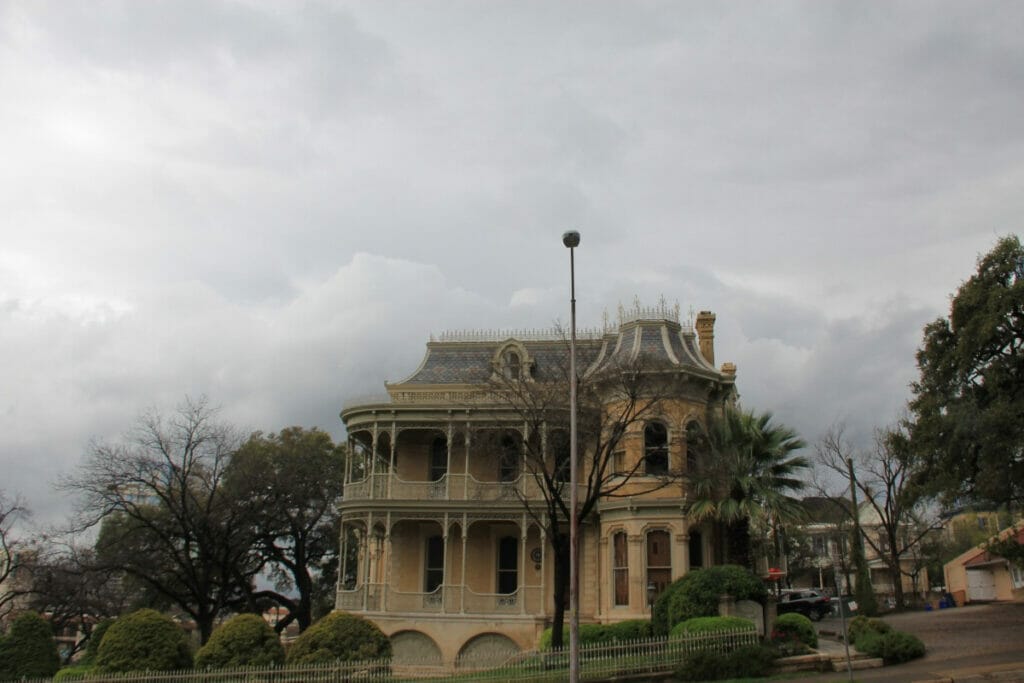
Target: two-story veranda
x=449, y=561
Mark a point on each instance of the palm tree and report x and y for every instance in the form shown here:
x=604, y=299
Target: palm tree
x=745, y=474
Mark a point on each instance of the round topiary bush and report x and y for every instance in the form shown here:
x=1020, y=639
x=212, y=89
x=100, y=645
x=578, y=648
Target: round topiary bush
x=339, y=636
x=244, y=640
x=143, y=641
x=697, y=595
x=29, y=650
x=699, y=625
x=793, y=626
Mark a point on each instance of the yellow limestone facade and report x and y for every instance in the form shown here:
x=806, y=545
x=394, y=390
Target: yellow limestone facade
x=449, y=562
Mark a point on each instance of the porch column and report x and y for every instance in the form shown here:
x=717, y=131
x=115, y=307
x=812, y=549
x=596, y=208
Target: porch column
x=543, y=572
x=448, y=463
x=391, y=457
x=348, y=462
x=444, y=565
x=373, y=461
x=465, y=478
x=462, y=594
x=522, y=566
x=366, y=567
x=388, y=560
x=344, y=555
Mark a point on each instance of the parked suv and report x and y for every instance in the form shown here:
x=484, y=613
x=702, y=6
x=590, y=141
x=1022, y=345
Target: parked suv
x=809, y=603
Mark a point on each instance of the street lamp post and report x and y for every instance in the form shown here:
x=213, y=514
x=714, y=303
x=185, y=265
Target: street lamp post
x=571, y=239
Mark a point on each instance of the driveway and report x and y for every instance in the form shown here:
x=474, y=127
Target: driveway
x=962, y=644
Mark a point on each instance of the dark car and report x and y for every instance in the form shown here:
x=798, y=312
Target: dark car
x=809, y=603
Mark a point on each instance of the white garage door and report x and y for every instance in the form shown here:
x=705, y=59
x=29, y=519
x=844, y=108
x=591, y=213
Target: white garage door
x=981, y=585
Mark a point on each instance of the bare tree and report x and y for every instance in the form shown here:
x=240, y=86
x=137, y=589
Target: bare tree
x=12, y=553
x=165, y=518
x=885, y=476
x=74, y=592
x=612, y=403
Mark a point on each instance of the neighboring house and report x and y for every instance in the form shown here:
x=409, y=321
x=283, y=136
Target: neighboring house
x=827, y=534
x=978, y=575
x=449, y=561
x=823, y=540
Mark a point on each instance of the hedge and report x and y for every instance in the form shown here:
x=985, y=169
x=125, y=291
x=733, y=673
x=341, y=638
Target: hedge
x=748, y=661
x=631, y=629
x=893, y=647
x=699, y=625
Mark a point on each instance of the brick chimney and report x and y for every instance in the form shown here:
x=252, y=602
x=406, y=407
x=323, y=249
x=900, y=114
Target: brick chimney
x=705, y=325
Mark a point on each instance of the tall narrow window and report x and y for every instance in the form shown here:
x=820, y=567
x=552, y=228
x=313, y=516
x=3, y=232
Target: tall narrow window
x=438, y=458
x=560, y=454
x=659, y=562
x=620, y=568
x=696, y=550
x=433, y=566
x=696, y=447
x=508, y=564
x=655, y=449
x=508, y=465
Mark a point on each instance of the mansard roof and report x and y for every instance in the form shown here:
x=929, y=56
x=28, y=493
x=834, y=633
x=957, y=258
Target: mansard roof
x=654, y=333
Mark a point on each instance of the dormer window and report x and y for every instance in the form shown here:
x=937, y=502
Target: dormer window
x=512, y=364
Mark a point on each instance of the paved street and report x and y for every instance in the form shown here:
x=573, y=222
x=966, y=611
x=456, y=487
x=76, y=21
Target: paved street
x=962, y=644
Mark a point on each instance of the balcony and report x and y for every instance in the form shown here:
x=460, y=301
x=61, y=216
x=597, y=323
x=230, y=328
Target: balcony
x=448, y=599
x=457, y=487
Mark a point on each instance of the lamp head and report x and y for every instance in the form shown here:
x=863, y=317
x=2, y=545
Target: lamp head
x=571, y=239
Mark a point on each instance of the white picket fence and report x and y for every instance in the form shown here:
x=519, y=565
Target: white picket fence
x=597, y=661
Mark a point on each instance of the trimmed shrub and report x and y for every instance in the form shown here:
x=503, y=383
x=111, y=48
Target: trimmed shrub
x=631, y=629
x=143, y=641
x=697, y=595
x=860, y=625
x=894, y=647
x=748, y=661
x=699, y=625
x=339, y=636
x=92, y=647
x=244, y=640
x=29, y=650
x=795, y=626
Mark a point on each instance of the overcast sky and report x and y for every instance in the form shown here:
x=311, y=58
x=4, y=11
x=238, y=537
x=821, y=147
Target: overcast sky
x=276, y=204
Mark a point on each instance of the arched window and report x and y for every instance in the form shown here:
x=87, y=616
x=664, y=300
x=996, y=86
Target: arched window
x=696, y=550
x=620, y=568
x=508, y=565
x=659, y=563
x=508, y=460
x=438, y=458
x=512, y=364
x=433, y=564
x=655, y=449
